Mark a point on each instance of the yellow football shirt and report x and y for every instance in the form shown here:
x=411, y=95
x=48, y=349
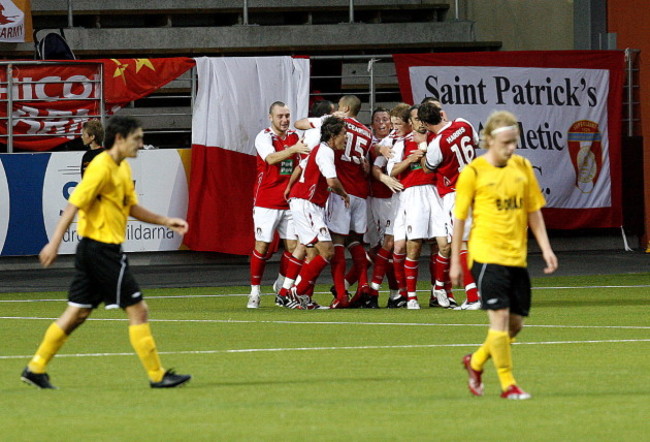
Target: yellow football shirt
x=500, y=199
x=104, y=198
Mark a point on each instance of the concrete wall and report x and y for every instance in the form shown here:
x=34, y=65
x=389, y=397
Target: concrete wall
x=522, y=24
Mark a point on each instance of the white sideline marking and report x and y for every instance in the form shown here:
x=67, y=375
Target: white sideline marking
x=236, y=295
x=364, y=347
x=401, y=324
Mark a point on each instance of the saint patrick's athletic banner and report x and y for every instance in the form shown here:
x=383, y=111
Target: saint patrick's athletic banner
x=569, y=104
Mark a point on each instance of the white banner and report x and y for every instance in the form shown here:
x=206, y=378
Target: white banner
x=161, y=183
x=234, y=95
x=563, y=121
x=15, y=21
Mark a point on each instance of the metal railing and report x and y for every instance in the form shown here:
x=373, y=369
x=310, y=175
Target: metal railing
x=363, y=84
x=631, y=101
x=371, y=77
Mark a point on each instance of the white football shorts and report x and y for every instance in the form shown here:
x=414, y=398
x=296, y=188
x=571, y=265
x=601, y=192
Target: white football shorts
x=448, y=204
x=422, y=210
x=343, y=220
x=267, y=221
x=309, y=221
x=380, y=214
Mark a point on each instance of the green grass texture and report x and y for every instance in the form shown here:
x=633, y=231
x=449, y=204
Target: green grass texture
x=274, y=374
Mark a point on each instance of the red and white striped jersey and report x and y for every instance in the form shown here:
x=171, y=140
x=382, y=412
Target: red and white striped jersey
x=272, y=179
x=349, y=162
x=453, y=147
x=377, y=188
x=413, y=175
x=316, y=169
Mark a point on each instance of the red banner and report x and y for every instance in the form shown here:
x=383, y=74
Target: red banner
x=40, y=117
x=569, y=104
x=52, y=101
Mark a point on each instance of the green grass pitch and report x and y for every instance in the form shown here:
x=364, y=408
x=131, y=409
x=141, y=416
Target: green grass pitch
x=277, y=374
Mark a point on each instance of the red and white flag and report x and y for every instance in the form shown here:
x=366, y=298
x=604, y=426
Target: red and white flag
x=232, y=106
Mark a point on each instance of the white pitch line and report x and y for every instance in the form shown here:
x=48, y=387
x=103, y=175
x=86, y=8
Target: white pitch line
x=364, y=347
x=238, y=295
x=400, y=324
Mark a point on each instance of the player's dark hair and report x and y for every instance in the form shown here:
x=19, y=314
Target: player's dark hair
x=321, y=107
x=122, y=125
x=274, y=104
x=428, y=100
x=95, y=128
x=429, y=113
x=378, y=110
x=331, y=127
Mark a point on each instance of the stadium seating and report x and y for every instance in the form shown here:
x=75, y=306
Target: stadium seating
x=167, y=28
x=135, y=28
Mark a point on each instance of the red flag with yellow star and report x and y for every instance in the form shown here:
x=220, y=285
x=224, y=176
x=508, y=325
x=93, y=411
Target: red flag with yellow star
x=129, y=79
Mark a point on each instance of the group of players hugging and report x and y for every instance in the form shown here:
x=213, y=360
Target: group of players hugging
x=380, y=193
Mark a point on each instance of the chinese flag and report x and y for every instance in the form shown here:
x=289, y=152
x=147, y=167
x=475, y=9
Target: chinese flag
x=129, y=79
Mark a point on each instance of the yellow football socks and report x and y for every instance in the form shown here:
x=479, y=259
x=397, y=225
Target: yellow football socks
x=480, y=357
x=52, y=341
x=499, y=347
x=144, y=345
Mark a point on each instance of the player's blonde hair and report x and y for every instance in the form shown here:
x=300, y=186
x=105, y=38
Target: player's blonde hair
x=401, y=111
x=496, y=120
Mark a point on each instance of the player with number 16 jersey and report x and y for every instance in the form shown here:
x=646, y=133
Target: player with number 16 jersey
x=450, y=151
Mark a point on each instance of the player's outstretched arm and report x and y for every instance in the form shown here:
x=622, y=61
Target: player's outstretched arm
x=390, y=182
x=51, y=250
x=302, y=124
x=537, y=226
x=178, y=225
x=294, y=177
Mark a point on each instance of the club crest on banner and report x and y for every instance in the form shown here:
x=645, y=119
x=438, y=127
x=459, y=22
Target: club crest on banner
x=585, y=151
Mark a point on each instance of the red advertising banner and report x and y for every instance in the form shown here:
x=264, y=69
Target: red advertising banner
x=49, y=101
x=52, y=101
x=569, y=104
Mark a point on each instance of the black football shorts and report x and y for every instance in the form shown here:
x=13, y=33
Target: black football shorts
x=102, y=275
x=503, y=287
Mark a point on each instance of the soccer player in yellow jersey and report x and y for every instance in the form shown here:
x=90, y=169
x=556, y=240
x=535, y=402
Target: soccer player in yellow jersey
x=105, y=199
x=502, y=192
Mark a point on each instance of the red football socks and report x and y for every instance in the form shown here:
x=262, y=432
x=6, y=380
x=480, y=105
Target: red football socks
x=258, y=263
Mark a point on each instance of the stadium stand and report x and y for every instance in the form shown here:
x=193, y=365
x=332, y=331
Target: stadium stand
x=120, y=28
x=136, y=28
